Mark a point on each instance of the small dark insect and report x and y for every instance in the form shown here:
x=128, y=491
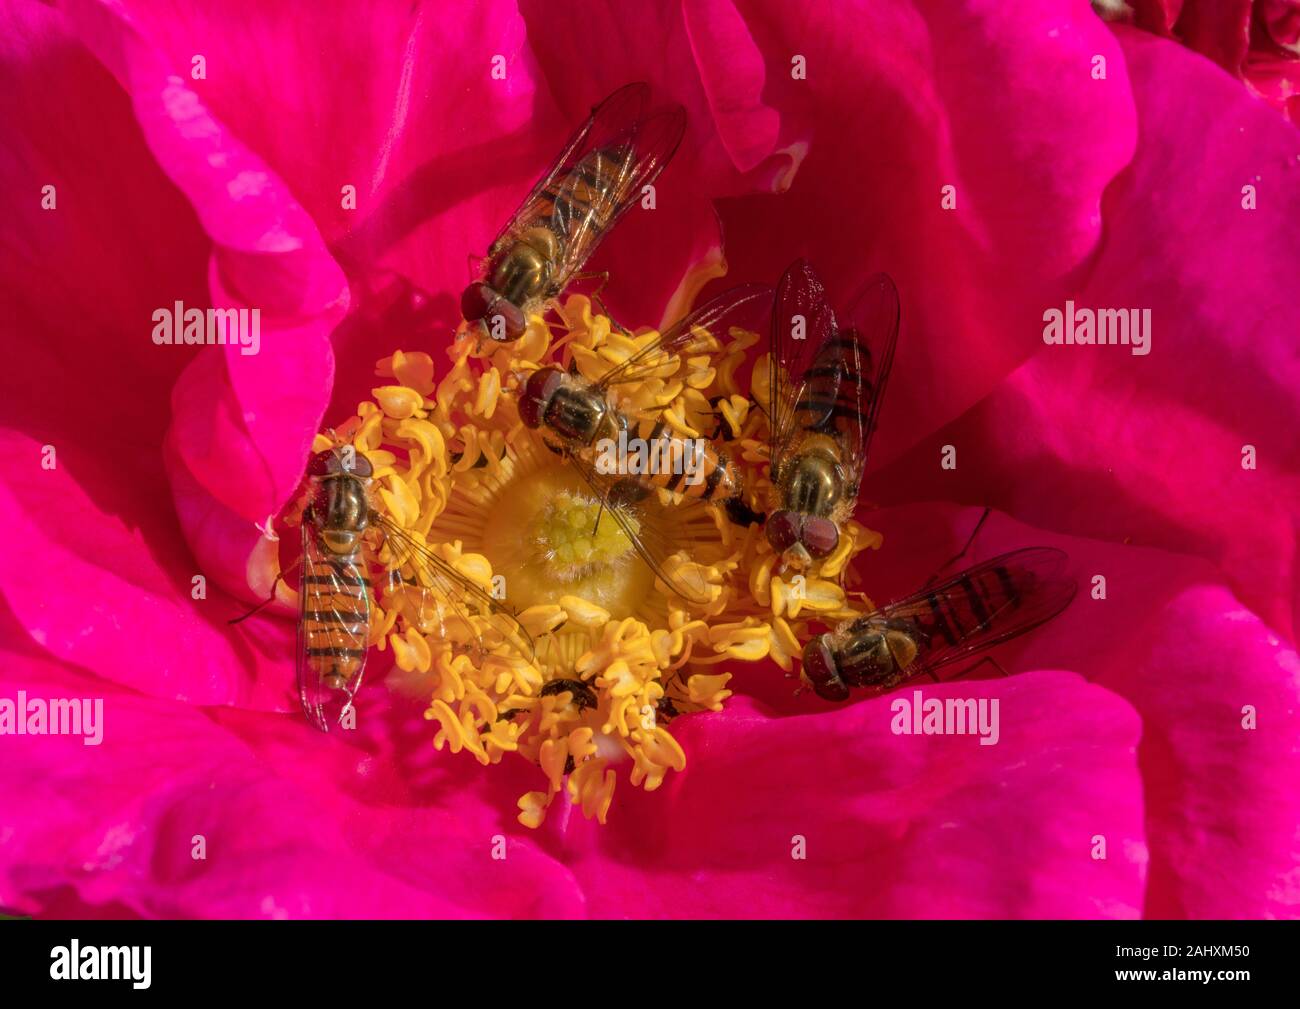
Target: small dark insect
x=983, y=606
x=598, y=175
x=583, y=696
x=666, y=709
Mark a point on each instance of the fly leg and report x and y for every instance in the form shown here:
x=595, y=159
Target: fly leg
x=961, y=553
x=620, y=494
x=603, y=276
x=269, y=599
x=965, y=674
x=998, y=669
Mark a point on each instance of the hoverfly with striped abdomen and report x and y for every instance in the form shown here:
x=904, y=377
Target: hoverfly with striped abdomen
x=599, y=174
x=578, y=416
x=340, y=526
x=982, y=606
x=826, y=383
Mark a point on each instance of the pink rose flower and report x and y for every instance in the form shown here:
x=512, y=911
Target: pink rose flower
x=203, y=158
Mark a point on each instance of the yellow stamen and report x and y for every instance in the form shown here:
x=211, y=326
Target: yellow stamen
x=616, y=656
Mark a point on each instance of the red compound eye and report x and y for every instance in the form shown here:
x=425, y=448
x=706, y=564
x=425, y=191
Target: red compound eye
x=474, y=301
x=323, y=463
x=819, y=537
x=783, y=530
x=503, y=320
x=335, y=460
x=537, y=393
x=512, y=324
x=819, y=669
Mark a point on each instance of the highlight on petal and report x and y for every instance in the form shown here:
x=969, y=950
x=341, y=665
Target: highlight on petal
x=250, y=409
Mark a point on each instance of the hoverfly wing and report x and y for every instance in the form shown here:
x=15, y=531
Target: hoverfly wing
x=607, y=181
x=846, y=383
x=748, y=306
x=802, y=321
x=656, y=531
x=453, y=591
x=986, y=604
x=608, y=120
x=333, y=632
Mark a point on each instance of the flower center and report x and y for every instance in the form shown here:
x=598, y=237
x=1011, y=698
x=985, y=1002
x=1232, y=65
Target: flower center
x=550, y=538
x=579, y=536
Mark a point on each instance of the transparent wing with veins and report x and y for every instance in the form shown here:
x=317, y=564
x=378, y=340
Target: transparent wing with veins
x=455, y=591
x=991, y=602
x=630, y=162
x=608, y=120
x=802, y=323
x=746, y=307
x=845, y=385
x=655, y=531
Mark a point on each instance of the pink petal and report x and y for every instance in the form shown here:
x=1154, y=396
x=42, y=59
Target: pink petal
x=87, y=380
x=82, y=280
x=704, y=57
x=87, y=314
x=900, y=102
x=894, y=825
x=1173, y=641
x=262, y=409
x=1218, y=28
x=720, y=39
x=1157, y=15
x=116, y=596
x=1096, y=442
x=296, y=824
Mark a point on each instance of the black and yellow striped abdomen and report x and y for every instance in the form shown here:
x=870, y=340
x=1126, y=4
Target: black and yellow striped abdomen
x=587, y=197
x=693, y=467
x=336, y=619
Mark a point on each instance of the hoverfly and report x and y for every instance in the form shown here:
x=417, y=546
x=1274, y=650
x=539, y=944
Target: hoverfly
x=598, y=175
x=335, y=595
x=576, y=415
x=825, y=387
x=982, y=606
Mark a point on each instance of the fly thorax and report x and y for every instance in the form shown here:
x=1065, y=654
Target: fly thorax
x=865, y=658
x=577, y=412
x=524, y=270
x=341, y=510
x=902, y=647
x=814, y=484
x=611, y=425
